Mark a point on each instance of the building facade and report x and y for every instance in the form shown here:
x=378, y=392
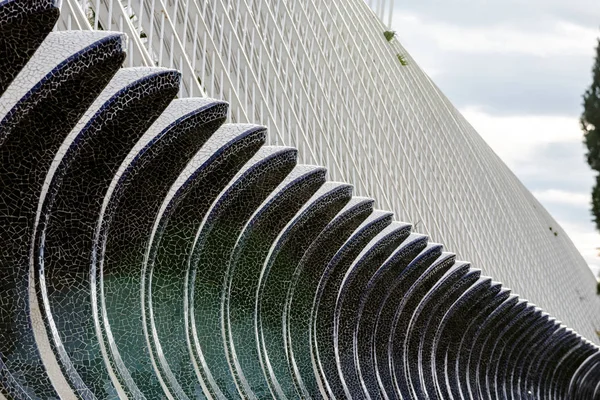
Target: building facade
x=323, y=78
x=157, y=241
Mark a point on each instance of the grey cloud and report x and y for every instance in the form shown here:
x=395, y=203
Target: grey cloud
x=559, y=165
x=556, y=165
x=569, y=213
x=504, y=84
x=483, y=12
x=516, y=84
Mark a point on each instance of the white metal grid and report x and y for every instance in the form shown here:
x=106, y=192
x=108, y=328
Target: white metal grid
x=322, y=77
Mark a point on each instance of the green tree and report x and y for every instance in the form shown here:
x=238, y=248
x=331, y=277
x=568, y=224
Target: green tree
x=590, y=123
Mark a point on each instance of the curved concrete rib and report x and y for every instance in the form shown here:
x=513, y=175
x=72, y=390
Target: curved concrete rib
x=501, y=380
x=494, y=349
x=303, y=289
x=177, y=226
x=68, y=210
x=583, y=380
x=213, y=245
x=394, y=311
x=32, y=128
x=170, y=142
x=483, y=296
x=370, y=300
x=326, y=295
x=353, y=285
x=416, y=348
x=498, y=322
x=129, y=232
x=523, y=376
x=438, y=265
x=23, y=26
x=566, y=370
x=278, y=270
x=244, y=271
x=65, y=58
x=459, y=350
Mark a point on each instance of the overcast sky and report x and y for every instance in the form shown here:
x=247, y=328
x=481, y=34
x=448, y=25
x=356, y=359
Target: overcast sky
x=517, y=69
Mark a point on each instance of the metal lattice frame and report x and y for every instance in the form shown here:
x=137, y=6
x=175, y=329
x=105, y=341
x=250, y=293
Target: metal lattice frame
x=321, y=77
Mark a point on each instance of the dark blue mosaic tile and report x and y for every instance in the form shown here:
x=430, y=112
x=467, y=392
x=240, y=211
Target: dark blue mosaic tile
x=149, y=251
x=23, y=26
x=304, y=286
x=32, y=127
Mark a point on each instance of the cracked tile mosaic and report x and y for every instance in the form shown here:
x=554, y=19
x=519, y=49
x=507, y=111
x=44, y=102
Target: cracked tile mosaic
x=23, y=26
x=347, y=104
x=150, y=250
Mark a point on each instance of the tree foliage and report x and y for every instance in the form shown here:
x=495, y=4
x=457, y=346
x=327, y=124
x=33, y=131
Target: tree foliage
x=402, y=59
x=590, y=123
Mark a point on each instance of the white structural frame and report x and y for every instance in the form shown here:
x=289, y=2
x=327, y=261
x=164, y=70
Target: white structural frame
x=322, y=77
